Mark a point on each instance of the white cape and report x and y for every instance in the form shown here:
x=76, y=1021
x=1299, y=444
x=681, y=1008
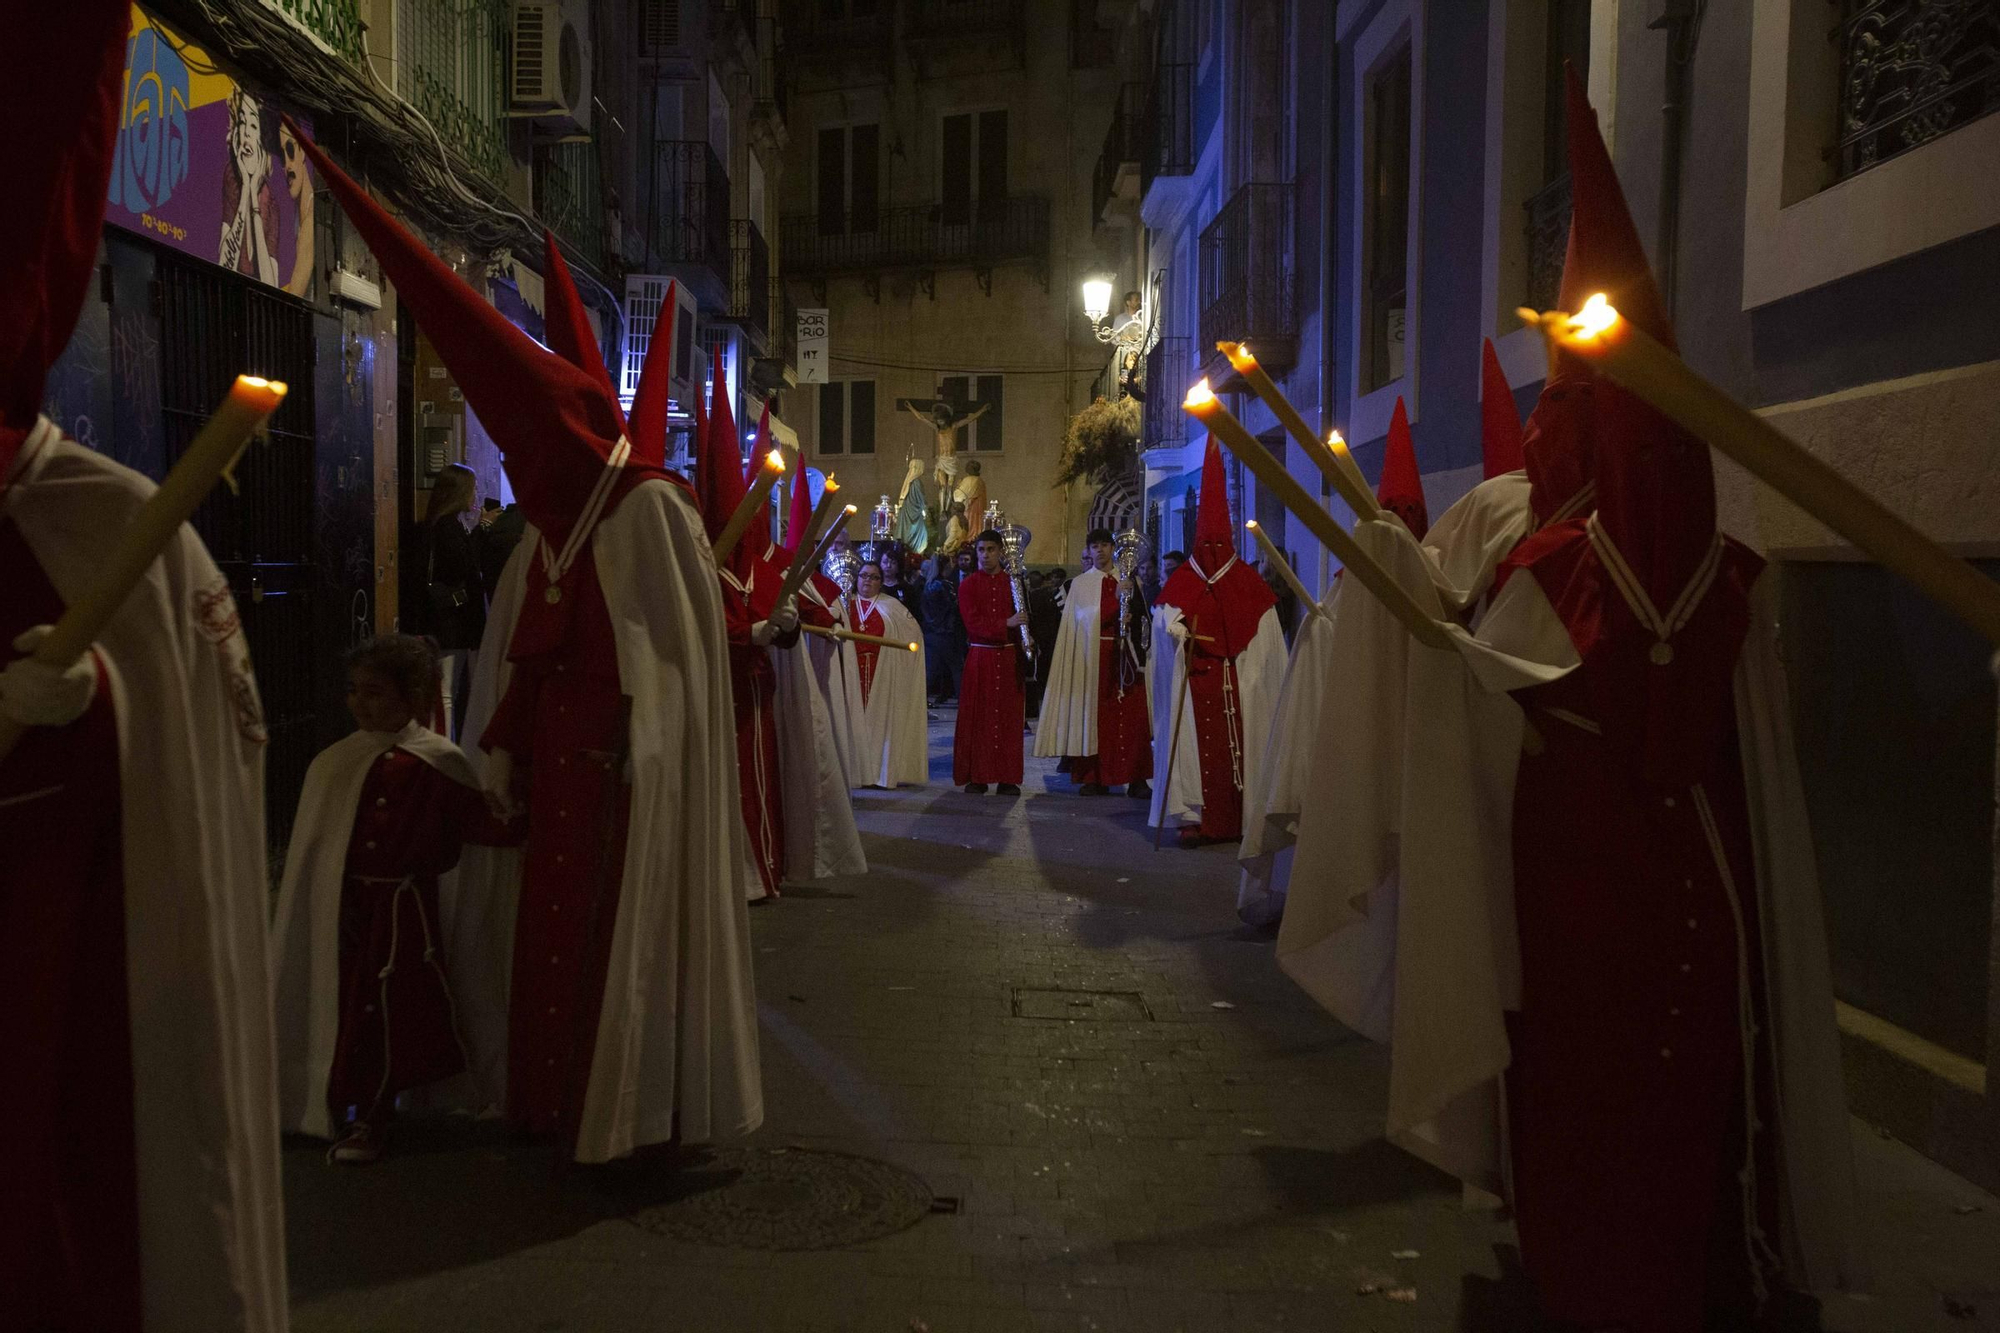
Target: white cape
x=191, y=770
x=1068, y=722
x=892, y=745
x=1260, y=675
x=305, y=932
x=833, y=667
x=820, y=837
x=1277, y=790
x=677, y=1035
x=1406, y=930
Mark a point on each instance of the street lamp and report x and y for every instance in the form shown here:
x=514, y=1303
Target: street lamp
x=1134, y=331
x=1096, y=299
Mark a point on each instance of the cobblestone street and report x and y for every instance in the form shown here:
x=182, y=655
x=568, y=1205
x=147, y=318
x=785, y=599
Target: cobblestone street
x=1125, y=1116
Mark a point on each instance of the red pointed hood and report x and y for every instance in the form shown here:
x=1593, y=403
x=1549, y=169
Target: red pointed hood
x=62, y=96
x=759, y=538
x=647, y=426
x=557, y=426
x=719, y=472
x=800, y=512
x=1223, y=597
x=1499, y=419
x=1401, y=490
x=572, y=333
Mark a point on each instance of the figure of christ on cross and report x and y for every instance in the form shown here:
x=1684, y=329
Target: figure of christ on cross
x=940, y=415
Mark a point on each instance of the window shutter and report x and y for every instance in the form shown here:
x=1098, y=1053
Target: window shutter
x=993, y=156
x=955, y=164
x=987, y=430
x=659, y=26
x=832, y=418
x=865, y=200
x=861, y=411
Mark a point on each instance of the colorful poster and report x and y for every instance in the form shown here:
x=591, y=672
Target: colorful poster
x=203, y=164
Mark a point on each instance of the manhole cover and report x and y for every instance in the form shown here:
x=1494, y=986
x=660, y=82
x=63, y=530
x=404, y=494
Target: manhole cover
x=1096, y=1006
x=792, y=1199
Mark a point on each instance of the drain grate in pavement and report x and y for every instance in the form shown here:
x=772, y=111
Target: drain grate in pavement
x=1082, y=1006
x=792, y=1199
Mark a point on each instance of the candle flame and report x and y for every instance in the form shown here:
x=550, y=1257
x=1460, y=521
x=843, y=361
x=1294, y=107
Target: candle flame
x=912, y=645
x=1240, y=356
x=1597, y=315
x=831, y=485
x=851, y=510
x=1201, y=395
x=259, y=382
x=1251, y=526
x=774, y=461
x=1336, y=441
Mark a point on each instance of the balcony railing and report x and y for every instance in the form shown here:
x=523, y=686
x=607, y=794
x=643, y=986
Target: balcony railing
x=337, y=23
x=450, y=71
x=837, y=31
x=1124, y=145
x=999, y=231
x=690, y=206
x=1548, y=240
x=569, y=197
x=1248, y=282
x=1169, y=370
x=1169, y=141
x=750, y=279
x=1909, y=72
x=963, y=20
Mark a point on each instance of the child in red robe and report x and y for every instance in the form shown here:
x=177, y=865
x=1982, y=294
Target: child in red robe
x=363, y=1000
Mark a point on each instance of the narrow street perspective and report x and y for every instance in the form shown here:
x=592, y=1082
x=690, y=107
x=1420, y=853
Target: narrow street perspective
x=1026, y=1074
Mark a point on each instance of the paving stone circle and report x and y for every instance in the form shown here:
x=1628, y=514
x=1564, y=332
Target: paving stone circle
x=793, y=1199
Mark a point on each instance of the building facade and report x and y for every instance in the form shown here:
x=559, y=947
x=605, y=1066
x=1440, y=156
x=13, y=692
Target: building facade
x=937, y=207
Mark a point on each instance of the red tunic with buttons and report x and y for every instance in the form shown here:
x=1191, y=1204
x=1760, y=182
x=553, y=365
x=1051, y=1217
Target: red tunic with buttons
x=69, y=1228
x=1124, y=720
x=396, y=1026
x=753, y=687
x=560, y=718
x=992, y=711
x=1635, y=892
x=868, y=620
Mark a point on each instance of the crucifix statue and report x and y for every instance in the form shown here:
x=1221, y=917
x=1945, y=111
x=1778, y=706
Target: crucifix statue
x=943, y=419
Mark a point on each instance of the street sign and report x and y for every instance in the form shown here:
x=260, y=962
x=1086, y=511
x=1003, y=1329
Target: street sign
x=812, y=346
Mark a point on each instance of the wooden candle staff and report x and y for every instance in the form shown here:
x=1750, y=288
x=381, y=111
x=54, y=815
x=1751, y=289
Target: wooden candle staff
x=1208, y=409
x=856, y=636
x=805, y=552
x=1631, y=358
x=1326, y=457
x=1284, y=567
x=208, y=459
x=758, y=494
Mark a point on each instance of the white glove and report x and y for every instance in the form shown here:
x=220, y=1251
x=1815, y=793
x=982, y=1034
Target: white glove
x=497, y=785
x=1177, y=630
x=786, y=616
x=761, y=634
x=37, y=695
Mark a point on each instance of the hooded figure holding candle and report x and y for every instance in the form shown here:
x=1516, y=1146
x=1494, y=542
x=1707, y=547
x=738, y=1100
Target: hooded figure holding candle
x=1095, y=710
x=1216, y=621
x=1651, y=984
x=602, y=973
x=821, y=604
x=796, y=810
x=140, y=1182
x=1279, y=789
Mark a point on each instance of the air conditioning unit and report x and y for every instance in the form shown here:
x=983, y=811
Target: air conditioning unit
x=643, y=294
x=551, y=66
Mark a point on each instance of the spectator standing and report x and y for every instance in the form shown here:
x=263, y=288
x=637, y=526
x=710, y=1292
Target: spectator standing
x=944, y=631
x=498, y=533
x=453, y=609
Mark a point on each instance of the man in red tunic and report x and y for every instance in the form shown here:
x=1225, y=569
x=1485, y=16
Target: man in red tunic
x=1219, y=622
x=140, y=1184
x=1095, y=711
x=629, y=1016
x=992, y=710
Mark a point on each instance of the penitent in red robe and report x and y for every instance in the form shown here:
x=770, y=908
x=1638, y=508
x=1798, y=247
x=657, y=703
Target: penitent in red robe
x=69, y=1230
x=396, y=1020
x=868, y=620
x=1124, y=719
x=753, y=684
x=992, y=711
x=561, y=717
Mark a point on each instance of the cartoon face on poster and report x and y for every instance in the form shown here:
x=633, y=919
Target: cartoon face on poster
x=204, y=164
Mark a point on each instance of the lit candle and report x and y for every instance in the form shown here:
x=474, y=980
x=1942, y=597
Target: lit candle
x=758, y=494
x=1631, y=358
x=856, y=636
x=207, y=460
x=1326, y=457
x=1285, y=571
x=806, y=555
x=1205, y=407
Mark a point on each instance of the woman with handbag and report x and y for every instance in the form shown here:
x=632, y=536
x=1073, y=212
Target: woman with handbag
x=454, y=589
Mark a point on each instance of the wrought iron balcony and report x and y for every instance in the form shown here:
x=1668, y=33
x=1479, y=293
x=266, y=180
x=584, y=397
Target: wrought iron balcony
x=750, y=281
x=1124, y=147
x=999, y=231
x=1910, y=71
x=1169, y=371
x=688, y=222
x=977, y=21
x=569, y=198
x=1548, y=241
x=1248, y=279
x=334, y=22
x=450, y=70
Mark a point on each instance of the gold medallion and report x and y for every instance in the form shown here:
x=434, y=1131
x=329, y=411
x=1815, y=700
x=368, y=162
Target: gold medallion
x=553, y=595
x=1663, y=652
